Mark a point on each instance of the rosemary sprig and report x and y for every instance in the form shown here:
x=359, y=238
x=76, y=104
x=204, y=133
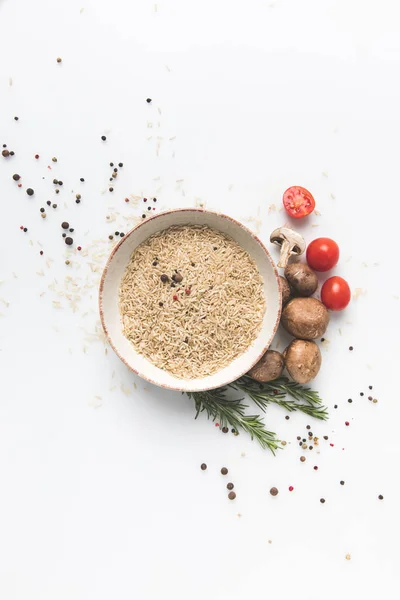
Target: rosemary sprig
x=231, y=412
x=274, y=392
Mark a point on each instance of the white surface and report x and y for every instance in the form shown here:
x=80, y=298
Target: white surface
x=101, y=491
x=115, y=269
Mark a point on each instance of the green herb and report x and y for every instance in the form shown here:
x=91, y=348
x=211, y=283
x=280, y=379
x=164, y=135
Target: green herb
x=305, y=399
x=232, y=411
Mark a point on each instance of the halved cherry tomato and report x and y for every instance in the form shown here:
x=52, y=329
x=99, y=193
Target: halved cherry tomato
x=298, y=202
x=335, y=293
x=322, y=254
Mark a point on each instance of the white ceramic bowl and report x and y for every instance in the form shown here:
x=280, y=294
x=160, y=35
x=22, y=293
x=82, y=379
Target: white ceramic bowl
x=115, y=267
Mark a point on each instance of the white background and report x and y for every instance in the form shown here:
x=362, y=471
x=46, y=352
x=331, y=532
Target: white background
x=101, y=492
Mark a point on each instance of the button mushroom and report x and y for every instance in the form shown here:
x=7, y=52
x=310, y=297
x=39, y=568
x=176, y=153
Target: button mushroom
x=303, y=360
x=268, y=368
x=305, y=318
x=301, y=278
x=290, y=242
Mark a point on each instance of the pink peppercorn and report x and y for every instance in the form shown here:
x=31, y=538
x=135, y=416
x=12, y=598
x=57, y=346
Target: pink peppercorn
x=187, y=292
x=79, y=248
x=291, y=488
x=347, y=423
x=175, y=297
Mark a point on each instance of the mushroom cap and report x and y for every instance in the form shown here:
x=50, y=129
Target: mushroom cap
x=285, y=234
x=302, y=278
x=268, y=368
x=303, y=360
x=285, y=289
x=305, y=318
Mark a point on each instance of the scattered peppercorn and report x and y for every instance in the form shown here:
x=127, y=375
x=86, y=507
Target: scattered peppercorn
x=42, y=210
x=64, y=235
x=55, y=181
x=59, y=59
x=16, y=177
x=111, y=164
x=148, y=100
x=41, y=253
x=103, y=137
x=144, y=199
x=12, y=153
x=302, y=458
x=231, y=495
x=154, y=200
x=335, y=406
x=351, y=348
x=161, y=304
x=36, y=156
x=30, y=192
x=67, y=262
x=60, y=183
x=230, y=486
x=120, y=164
x=298, y=437
x=78, y=196
x=115, y=170
x=342, y=482
x=15, y=118
x=110, y=237
x=224, y=430
x=143, y=216
x=81, y=179
x=71, y=229
x=315, y=468
x=121, y=234
x=287, y=417
x=346, y=423
x=361, y=393
x=322, y=500
x=149, y=208
x=164, y=278
x=350, y=400
x=54, y=205
x=177, y=277
x=224, y=471
x=308, y=427
x=203, y=466
x=79, y=248
x=380, y=497
x=155, y=263
x=175, y=297
x=111, y=189
x=374, y=400
x=57, y=191
x=291, y=488
x=77, y=201
x=370, y=387
x=69, y=241
x=54, y=159
x=43, y=215
x=25, y=229
x=274, y=491
x=48, y=203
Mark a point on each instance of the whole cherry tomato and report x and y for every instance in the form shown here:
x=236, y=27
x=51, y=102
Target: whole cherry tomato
x=322, y=254
x=335, y=293
x=298, y=202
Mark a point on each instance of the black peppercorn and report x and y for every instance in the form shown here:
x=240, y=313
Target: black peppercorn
x=77, y=201
x=149, y=208
x=224, y=471
x=115, y=170
x=111, y=189
x=164, y=278
x=81, y=179
x=342, y=482
x=224, y=430
x=203, y=466
x=273, y=491
x=54, y=205
x=55, y=181
x=69, y=241
x=64, y=235
x=161, y=304
x=230, y=486
x=120, y=164
x=65, y=225
x=148, y=100
x=143, y=216
x=110, y=237
x=380, y=497
x=103, y=137
x=60, y=183
x=42, y=210
x=25, y=229
x=30, y=192
x=154, y=199
x=5, y=153
x=121, y=235
x=322, y=500
x=12, y=153
x=111, y=164
x=231, y=495
x=16, y=177
x=155, y=263
x=15, y=118
x=48, y=203
x=71, y=230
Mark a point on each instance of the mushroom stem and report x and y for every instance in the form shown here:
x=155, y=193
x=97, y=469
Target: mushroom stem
x=286, y=252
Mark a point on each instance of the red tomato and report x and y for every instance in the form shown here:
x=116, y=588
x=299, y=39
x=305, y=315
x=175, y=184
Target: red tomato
x=298, y=202
x=322, y=254
x=335, y=293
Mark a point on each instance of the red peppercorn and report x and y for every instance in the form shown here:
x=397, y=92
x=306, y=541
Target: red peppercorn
x=291, y=488
x=79, y=248
x=188, y=292
x=36, y=156
x=21, y=227
x=126, y=199
x=315, y=468
x=175, y=297
x=20, y=185
x=332, y=445
x=347, y=423
x=144, y=199
x=41, y=253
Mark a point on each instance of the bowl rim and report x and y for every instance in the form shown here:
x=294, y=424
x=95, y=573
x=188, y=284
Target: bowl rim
x=124, y=239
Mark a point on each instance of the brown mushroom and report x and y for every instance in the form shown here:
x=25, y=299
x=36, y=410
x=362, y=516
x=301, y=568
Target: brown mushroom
x=302, y=279
x=285, y=289
x=303, y=360
x=268, y=368
x=290, y=242
x=305, y=318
